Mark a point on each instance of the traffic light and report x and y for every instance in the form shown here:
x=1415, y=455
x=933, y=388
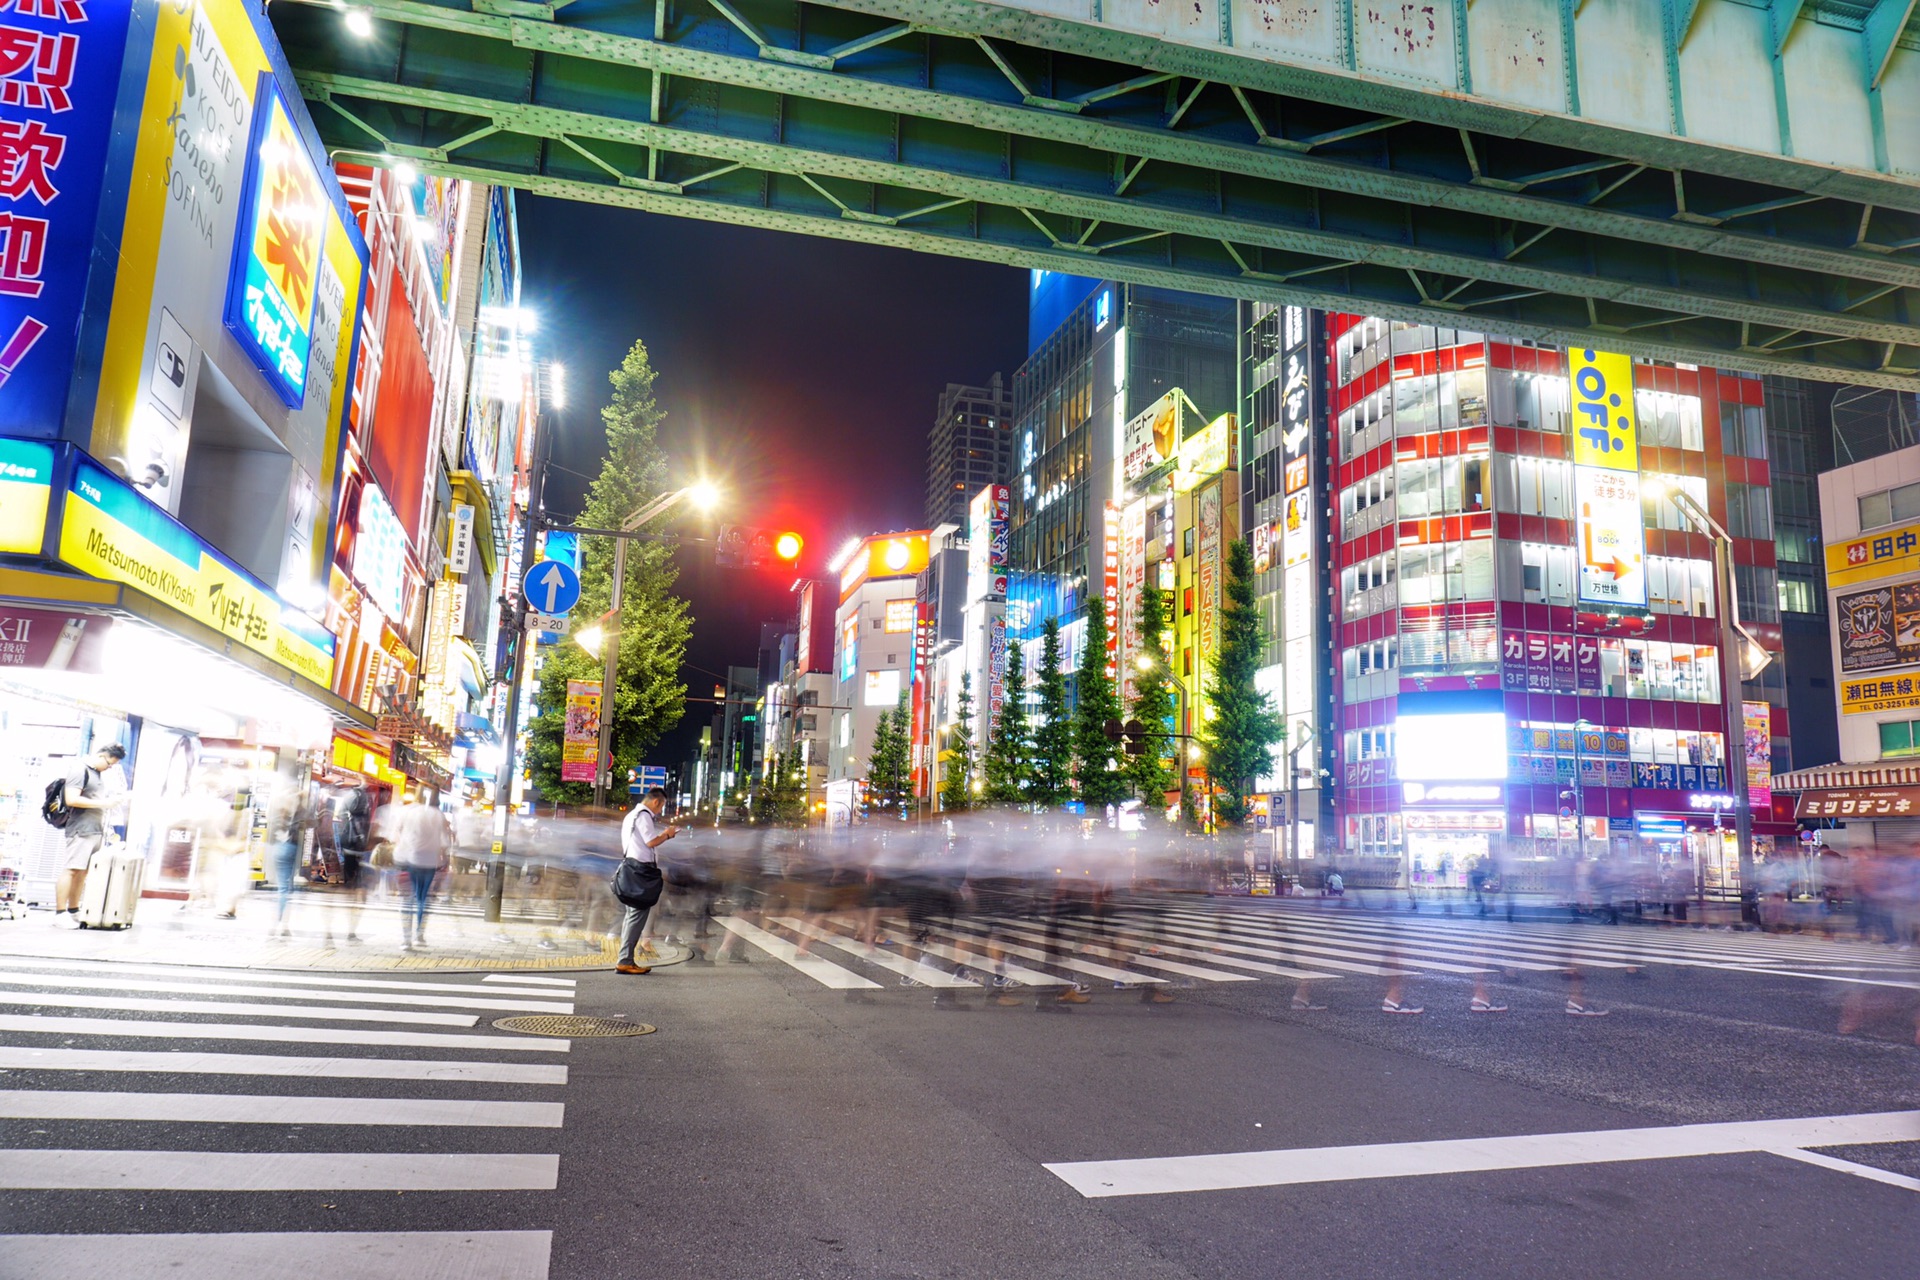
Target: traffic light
x=1132, y=731
x=745, y=547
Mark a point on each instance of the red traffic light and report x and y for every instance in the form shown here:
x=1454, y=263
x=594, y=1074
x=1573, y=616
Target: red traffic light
x=787, y=546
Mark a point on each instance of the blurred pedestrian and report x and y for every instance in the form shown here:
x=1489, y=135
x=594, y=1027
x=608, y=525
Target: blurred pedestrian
x=89, y=792
x=420, y=843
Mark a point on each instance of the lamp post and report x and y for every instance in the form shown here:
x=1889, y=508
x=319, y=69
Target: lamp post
x=702, y=495
x=1735, y=646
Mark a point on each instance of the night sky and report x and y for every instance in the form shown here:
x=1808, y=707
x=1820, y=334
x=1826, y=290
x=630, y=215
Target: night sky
x=800, y=373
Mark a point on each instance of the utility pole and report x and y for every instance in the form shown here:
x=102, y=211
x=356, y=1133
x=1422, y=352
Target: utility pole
x=516, y=667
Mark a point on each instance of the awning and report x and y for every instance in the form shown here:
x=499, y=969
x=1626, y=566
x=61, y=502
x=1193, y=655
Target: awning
x=52, y=589
x=1846, y=777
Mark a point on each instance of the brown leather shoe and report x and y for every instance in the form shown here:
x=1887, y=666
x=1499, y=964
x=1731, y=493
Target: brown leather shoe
x=630, y=968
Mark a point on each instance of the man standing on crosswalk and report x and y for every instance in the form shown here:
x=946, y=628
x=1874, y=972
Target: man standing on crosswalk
x=640, y=835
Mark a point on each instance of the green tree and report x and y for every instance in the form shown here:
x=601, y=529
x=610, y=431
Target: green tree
x=1053, y=735
x=648, y=698
x=889, y=764
x=956, y=789
x=783, y=797
x=1243, y=726
x=1153, y=706
x=1009, y=759
x=1096, y=703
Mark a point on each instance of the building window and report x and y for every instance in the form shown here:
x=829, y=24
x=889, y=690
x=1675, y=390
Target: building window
x=1796, y=596
x=1899, y=738
x=1889, y=506
x=1749, y=511
x=1186, y=603
x=1186, y=543
x=899, y=617
x=1743, y=430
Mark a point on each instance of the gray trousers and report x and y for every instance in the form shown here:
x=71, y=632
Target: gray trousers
x=630, y=927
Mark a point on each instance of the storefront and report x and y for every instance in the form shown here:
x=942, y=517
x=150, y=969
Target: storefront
x=119, y=625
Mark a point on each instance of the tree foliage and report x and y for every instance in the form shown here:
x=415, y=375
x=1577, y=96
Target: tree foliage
x=956, y=788
x=889, y=763
x=1244, y=727
x=1148, y=774
x=1052, y=779
x=783, y=795
x=1008, y=764
x=648, y=698
x=1101, y=784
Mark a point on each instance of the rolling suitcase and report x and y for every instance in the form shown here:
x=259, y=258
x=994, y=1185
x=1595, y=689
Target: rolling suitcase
x=112, y=890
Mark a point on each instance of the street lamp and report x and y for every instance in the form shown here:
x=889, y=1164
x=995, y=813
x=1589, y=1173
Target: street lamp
x=1741, y=658
x=702, y=494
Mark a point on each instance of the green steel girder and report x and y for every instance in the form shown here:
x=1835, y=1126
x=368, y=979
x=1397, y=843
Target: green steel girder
x=1317, y=228
x=829, y=122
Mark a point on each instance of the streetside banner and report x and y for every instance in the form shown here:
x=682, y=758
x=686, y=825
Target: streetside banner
x=52, y=641
x=110, y=531
x=59, y=65
x=580, y=742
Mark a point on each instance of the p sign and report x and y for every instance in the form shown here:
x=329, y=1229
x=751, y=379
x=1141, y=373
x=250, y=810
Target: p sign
x=1604, y=431
x=550, y=587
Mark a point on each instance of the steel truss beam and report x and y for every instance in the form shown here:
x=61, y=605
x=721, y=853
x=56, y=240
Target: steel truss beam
x=1202, y=186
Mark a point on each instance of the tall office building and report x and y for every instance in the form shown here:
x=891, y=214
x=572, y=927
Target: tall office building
x=970, y=447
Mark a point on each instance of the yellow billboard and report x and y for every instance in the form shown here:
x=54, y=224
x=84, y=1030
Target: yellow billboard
x=1605, y=433
x=1881, y=554
x=1207, y=452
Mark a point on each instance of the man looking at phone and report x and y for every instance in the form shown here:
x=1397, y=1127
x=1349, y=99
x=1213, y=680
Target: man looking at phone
x=640, y=835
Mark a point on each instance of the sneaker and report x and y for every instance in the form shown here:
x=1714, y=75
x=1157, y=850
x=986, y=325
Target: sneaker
x=1074, y=995
x=1307, y=1006
x=1486, y=1006
x=1388, y=1006
x=1008, y=1001
x=67, y=920
x=631, y=968
x=1581, y=1011
x=1157, y=995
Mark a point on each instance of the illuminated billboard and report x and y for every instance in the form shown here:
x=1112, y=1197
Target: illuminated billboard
x=1604, y=430
x=1612, y=537
x=892, y=555
x=276, y=263
x=1152, y=436
x=1207, y=452
x=1451, y=737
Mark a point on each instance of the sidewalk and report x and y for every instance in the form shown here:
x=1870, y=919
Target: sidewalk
x=165, y=933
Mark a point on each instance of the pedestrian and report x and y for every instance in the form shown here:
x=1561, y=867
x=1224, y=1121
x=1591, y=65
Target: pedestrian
x=638, y=881
x=283, y=840
x=89, y=795
x=420, y=849
x=352, y=841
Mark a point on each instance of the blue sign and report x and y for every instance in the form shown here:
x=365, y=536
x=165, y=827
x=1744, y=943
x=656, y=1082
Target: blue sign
x=646, y=777
x=59, y=78
x=550, y=587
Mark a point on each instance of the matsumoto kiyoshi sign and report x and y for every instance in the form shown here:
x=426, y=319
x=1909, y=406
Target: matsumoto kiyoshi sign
x=110, y=531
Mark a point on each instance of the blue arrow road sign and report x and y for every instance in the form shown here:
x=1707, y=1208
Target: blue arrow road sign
x=551, y=587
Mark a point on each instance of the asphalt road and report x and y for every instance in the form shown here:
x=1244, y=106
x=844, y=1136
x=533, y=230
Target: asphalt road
x=779, y=1126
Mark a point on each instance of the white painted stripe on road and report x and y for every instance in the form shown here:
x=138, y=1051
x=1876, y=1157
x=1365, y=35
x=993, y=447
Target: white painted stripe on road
x=824, y=972
x=1230, y=944
x=1857, y=1170
x=265, y=1108
x=291, y=1255
x=1163, y=942
x=1456, y=946
x=160, y=1004
x=1313, y=945
x=240, y=974
x=1100, y=1178
x=978, y=959
x=186, y=1062
x=56, y=1170
x=528, y=979
x=1092, y=969
x=290, y=993
x=892, y=961
x=147, y=1029
x=1087, y=935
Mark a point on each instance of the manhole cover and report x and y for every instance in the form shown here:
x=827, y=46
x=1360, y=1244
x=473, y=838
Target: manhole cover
x=572, y=1026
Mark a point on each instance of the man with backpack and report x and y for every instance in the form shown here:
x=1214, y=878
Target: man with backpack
x=78, y=808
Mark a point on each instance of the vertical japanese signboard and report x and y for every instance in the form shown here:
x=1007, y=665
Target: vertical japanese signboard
x=1757, y=726
x=1133, y=581
x=274, y=279
x=1110, y=583
x=580, y=744
x=987, y=544
x=1606, y=478
x=59, y=69
x=1295, y=534
x=1206, y=578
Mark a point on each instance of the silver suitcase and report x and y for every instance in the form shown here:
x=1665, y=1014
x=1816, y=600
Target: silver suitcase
x=112, y=890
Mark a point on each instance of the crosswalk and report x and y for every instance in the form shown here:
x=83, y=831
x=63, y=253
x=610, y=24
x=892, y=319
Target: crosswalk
x=208, y=1085
x=1198, y=942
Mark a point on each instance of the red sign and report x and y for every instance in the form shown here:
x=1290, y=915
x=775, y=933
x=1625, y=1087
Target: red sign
x=51, y=641
x=1860, y=802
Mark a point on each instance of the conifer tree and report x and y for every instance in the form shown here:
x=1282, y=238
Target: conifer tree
x=1009, y=758
x=1096, y=703
x=1243, y=726
x=1153, y=707
x=956, y=789
x=1053, y=735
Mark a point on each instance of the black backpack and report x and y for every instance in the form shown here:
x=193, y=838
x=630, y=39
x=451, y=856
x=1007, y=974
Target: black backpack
x=54, y=808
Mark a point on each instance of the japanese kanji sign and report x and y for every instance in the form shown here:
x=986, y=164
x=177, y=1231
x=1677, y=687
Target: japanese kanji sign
x=277, y=253
x=1862, y=802
x=1873, y=555
x=59, y=67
